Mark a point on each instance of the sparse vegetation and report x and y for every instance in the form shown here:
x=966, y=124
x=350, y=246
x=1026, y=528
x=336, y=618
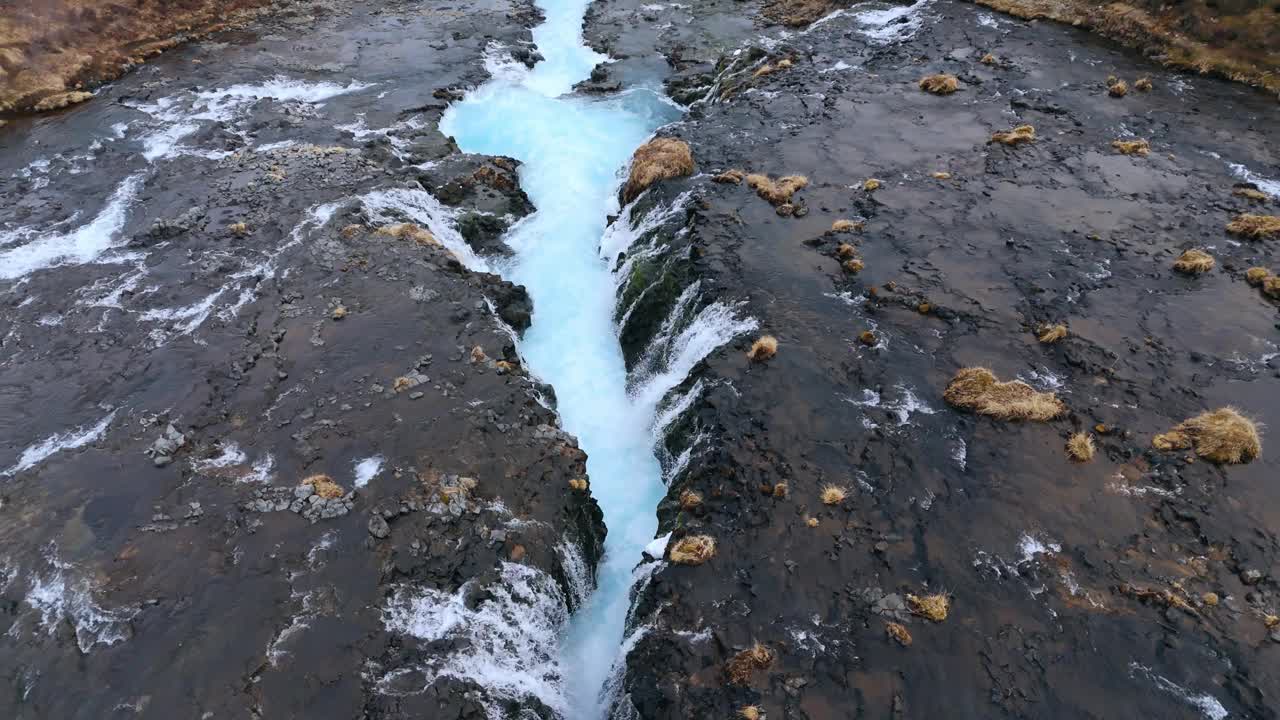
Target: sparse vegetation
x=1017, y=136
x=690, y=499
x=780, y=490
x=1255, y=276
x=1132, y=147
x=845, y=250
x=898, y=632
x=977, y=389
x=853, y=265
x=871, y=185
x=940, y=84
x=1117, y=88
x=1193, y=262
x=750, y=712
x=324, y=486
x=940, y=175
x=692, y=550
x=729, y=177
x=1050, y=334
x=932, y=607
x=833, y=495
x=1251, y=193
x=845, y=226
x=1255, y=227
x=812, y=522
x=742, y=666
x=989, y=59
x=1142, y=84
x=408, y=231
x=657, y=160
x=339, y=312
x=579, y=484
x=1080, y=447
x=777, y=191
x=239, y=229
x=1271, y=287
x=765, y=347
x=1221, y=436
x=477, y=354
x=866, y=337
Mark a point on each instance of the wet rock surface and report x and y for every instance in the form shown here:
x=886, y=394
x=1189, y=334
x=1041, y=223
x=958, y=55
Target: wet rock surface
x=1139, y=583
x=261, y=428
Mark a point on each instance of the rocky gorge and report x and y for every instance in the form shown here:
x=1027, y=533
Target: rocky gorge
x=275, y=442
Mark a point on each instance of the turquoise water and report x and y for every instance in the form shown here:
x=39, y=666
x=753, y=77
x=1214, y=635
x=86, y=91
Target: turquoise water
x=573, y=149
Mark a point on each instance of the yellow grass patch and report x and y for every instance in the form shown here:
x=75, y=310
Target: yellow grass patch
x=1017, y=136
x=866, y=337
x=690, y=499
x=1117, y=89
x=339, y=312
x=989, y=59
x=845, y=250
x=1132, y=147
x=1080, y=447
x=833, y=495
x=898, y=632
x=693, y=550
x=324, y=486
x=1255, y=227
x=1256, y=275
x=579, y=484
x=845, y=226
x=871, y=185
x=742, y=666
x=977, y=389
x=729, y=177
x=853, y=265
x=1194, y=262
x=940, y=175
x=408, y=231
x=940, y=84
x=1219, y=436
x=765, y=347
x=777, y=191
x=750, y=712
x=932, y=607
x=1049, y=334
x=1250, y=193
x=657, y=160
x=1142, y=84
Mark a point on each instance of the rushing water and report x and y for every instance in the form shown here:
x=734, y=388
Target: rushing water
x=572, y=149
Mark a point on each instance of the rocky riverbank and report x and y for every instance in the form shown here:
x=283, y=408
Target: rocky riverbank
x=267, y=447
x=846, y=543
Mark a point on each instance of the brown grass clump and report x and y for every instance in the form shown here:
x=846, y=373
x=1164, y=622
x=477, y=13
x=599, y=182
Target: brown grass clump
x=780, y=490
x=1250, y=193
x=1255, y=227
x=1271, y=287
x=408, y=231
x=978, y=390
x=940, y=175
x=339, y=312
x=924, y=308
x=845, y=226
x=1142, y=84
x=750, y=712
x=402, y=383
x=1193, y=262
x=989, y=59
x=1017, y=136
x=1255, y=276
x=845, y=250
x=765, y=347
x=742, y=666
x=693, y=550
x=1117, y=89
x=1219, y=436
x=690, y=499
x=871, y=185
x=1080, y=447
x=932, y=607
x=657, y=160
x=812, y=522
x=833, y=495
x=579, y=484
x=729, y=177
x=777, y=191
x=324, y=486
x=853, y=265
x=866, y=337
x=940, y=84
x=1050, y=334
x=1132, y=147
x=898, y=632
x=238, y=229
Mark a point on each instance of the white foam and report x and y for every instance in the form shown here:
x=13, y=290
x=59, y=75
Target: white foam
x=61, y=597
x=577, y=574
x=230, y=456
x=658, y=548
x=69, y=440
x=80, y=246
x=367, y=469
x=422, y=208
x=1265, y=184
x=1208, y=705
x=894, y=23
x=505, y=641
x=1030, y=547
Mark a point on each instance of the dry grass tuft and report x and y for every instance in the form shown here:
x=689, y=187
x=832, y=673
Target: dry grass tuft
x=742, y=666
x=853, y=265
x=1271, y=287
x=765, y=347
x=1017, y=136
x=866, y=337
x=812, y=522
x=978, y=390
x=657, y=160
x=777, y=191
x=408, y=231
x=924, y=308
x=1250, y=193
x=1255, y=227
x=845, y=250
x=940, y=84
x=1142, y=84
x=833, y=495
x=932, y=607
x=989, y=59
x=940, y=175
x=1194, y=262
x=1049, y=334
x=898, y=632
x=579, y=484
x=1117, y=89
x=324, y=486
x=871, y=185
x=1080, y=447
x=780, y=490
x=693, y=550
x=729, y=177
x=339, y=312
x=750, y=712
x=1132, y=147
x=402, y=383
x=238, y=229
x=846, y=226
x=1219, y=436
x=477, y=354
x=690, y=499
x=1255, y=276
